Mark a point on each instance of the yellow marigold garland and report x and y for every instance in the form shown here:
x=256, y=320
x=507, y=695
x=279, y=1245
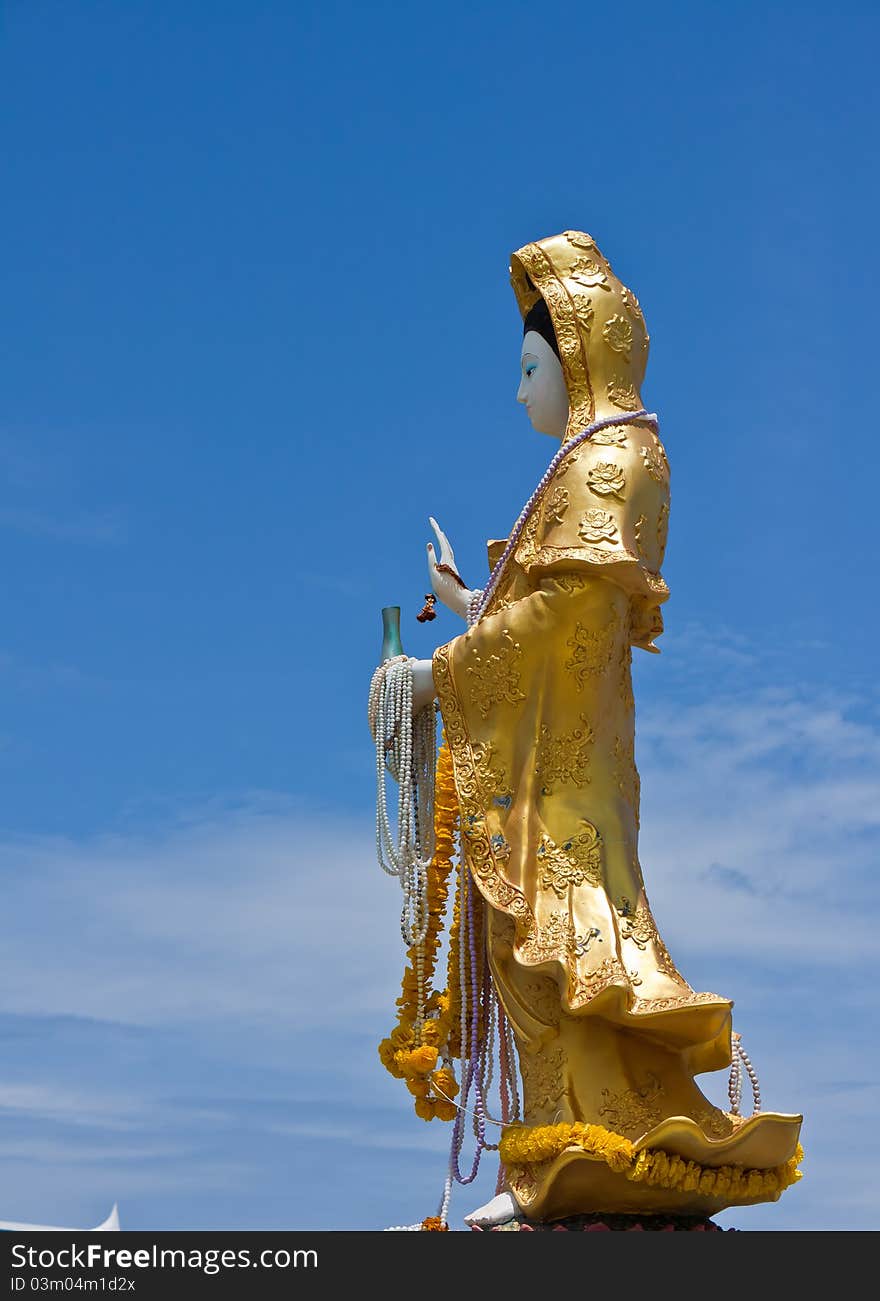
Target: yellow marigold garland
x=413, y=1049
x=522, y=1145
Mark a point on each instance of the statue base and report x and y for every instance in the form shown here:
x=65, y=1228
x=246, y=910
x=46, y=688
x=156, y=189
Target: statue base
x=599, y=1223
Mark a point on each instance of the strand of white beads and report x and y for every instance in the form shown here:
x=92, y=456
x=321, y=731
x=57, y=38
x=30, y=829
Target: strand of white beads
x=380, y=689
x=407, y=749
x=753, y=1077
x=443, y=1208
x=734, y=1083
x=473, y=606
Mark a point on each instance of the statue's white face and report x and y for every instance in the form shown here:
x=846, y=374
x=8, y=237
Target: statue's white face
x=542, y=388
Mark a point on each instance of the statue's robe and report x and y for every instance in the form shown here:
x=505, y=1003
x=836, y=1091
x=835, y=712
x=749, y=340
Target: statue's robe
x=538, y=711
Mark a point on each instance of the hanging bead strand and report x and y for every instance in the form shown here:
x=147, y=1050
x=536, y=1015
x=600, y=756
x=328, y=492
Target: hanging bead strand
x=752, y=1074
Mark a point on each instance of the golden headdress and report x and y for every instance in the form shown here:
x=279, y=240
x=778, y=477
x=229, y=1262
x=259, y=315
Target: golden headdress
x=600, y=329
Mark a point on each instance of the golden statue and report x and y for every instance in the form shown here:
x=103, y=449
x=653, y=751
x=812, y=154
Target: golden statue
x=538, y=713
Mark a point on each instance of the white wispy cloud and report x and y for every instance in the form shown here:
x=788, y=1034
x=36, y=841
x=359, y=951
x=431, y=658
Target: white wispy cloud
x=43, y=1101
x=238, y=915
x=760, y=815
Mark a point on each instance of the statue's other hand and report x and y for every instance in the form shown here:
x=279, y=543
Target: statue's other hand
x=446, y=582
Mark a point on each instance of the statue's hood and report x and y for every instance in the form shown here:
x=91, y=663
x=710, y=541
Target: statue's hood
x=602, y=336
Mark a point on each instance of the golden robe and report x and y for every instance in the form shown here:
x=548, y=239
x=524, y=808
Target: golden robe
x=538, y=710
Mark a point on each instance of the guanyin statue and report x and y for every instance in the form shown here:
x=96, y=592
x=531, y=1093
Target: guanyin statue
x=560, y=993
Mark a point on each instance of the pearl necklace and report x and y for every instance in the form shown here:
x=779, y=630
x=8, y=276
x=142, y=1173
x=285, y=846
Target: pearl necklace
x=407, y=749
x=740, y=1059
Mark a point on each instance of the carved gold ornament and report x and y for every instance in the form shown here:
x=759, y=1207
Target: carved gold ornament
x=490, y=771
x=598, y=526
x=583, y=305
x=563, y=758
x=613, y=436
x=618, y=334
x=622, y=394
x=654, y=465
x=497, y=678
x=555, y=937
x=591, y=650
x=542, y=1074
x=576, y=861
x=557, y=505
x=640, y=534
x=633, y=1110
x=588, y=273
x=580, y=239
x=631, y=303
x=607, y=479
x=663, y=526
x=636, y=924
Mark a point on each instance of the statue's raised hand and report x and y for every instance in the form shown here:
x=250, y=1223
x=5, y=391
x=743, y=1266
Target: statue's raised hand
x=446, y=582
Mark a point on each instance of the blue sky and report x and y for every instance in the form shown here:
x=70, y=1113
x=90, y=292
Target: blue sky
x=257, y=327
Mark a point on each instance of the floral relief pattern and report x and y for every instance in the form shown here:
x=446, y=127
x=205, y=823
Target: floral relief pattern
x=580, y=239
x=631, y=303
x=557, y=505
x=664, y=960
x=496, y=678
x=542, y=1075
x=570, y=582
x=586, y=987
x=623, y=395
x=636, y=924
x=479, y=854
x=583, y=305
x=500, y=847
x=583, y=943
x=654, y=465
x=633, y=1111
x=591, y=650
x=640, y=535
x=598, y=526
x=663, y=526
x=717, y=1123
x=660, y=450
x=613, y=436
x=588, y=272
x=577, y=861
x=543, y=995
x=554, y=937
x=563, y=758
x=618, y=334
x=690, y=999
x=490, y=771
x=567, y=464
x=607, y=479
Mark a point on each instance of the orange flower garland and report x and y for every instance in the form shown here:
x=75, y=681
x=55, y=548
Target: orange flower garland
x=527, y=1145
x=425, y=1033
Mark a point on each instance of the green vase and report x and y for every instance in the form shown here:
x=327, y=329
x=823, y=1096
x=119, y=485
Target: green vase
x=391, y=643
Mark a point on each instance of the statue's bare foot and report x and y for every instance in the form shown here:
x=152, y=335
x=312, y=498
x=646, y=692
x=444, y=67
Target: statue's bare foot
x=501, y=1209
